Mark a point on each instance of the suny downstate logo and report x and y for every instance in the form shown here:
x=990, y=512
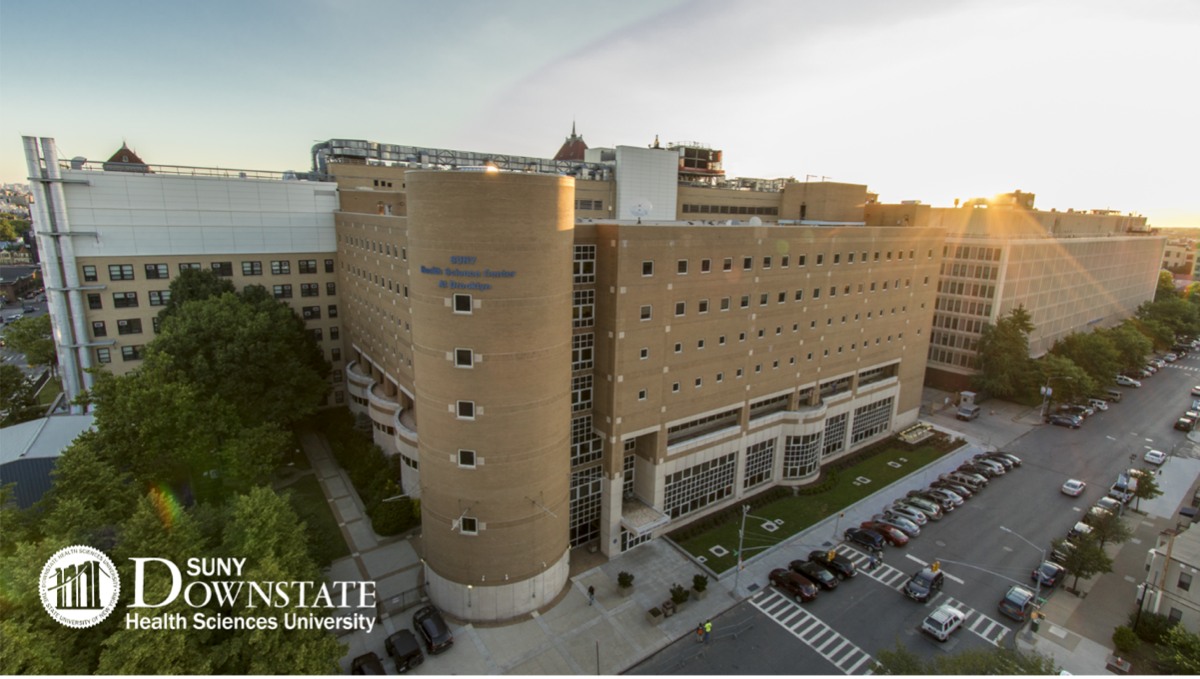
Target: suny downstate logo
x=79, y=586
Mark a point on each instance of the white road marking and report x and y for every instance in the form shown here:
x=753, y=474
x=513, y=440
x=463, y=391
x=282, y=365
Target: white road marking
x=993, y=632
x=810, y=629
x=951, y=577
x=1150, y=440
x=923, y=563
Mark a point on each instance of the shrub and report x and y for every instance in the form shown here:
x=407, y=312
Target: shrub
x=679, y=595
x=699, y=582
x=393, y=518
x=1152, y=627
x=625, y=580
x=1125, y=640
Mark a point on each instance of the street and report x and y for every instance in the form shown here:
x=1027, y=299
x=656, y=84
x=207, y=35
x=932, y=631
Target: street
x=834, y=634
x=13, y=310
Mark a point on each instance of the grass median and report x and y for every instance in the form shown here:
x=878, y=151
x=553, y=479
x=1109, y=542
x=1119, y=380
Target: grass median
x=801, y=512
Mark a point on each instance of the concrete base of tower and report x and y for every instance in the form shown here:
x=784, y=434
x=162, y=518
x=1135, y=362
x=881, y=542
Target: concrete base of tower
x=486, y=601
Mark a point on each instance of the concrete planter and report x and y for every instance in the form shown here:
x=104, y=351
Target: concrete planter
x=699, y=594
x=668, y=608
x=626, y=591
x=654, y=616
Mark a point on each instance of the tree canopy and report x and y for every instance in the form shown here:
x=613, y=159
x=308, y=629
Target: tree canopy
x=998, y=660
x=33, y=337
x=18, y=400
x=1086, y=559
x=1004, y=355
x=1180, y=654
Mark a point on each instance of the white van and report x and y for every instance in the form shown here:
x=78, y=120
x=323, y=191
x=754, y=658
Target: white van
x=968, y=413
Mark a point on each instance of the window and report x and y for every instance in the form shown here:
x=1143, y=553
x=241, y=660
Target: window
x=648, y=268
x=745, y=301
x=1175, y=616
x=642, y=395
x=468, y=526
x=724, y=304
x=747, y=263
x=816, y=293
x=310, y=289
x=283, y=292
x=585, y=264
x=462, y=303
x=703, y=306
x=333, y=333
x=103, y=356
x=329, y=266
x=335, y=354
x=281, y=268
x=466, y=458
x=93, y=300
x=582, y=347
x=133, y=353
x=192, y=265
x=224, y=269
x=680, y=308
x=132, y=326
x=699, y=382
x=705, y=266
x=761, y=333
x=645, y=312
x=850, y=258
x=98, y=329
x=308, y=265
x=721, y=340
x=340, y=397
x=763, y=298
x=679, y=347
x=1185, y=581
x=89, y=274
x=332, y=308
x=784, y=262
x=877, y=256
x=727, y=264
x=124, y=300
x=742, y=337
x=644, y=353
x=157, y=271
x=675, y=388
x=692, y=489
x=682, y=266
x=739, y=372
x=337, y=375
x=871, y=420
x=760, y=460
x=837, y=258
x=821, y=260
x=766, y=263
x=120, y=272
x=585, y=498
x=251, y=268
x=835, y=434
x=316, y=334
x=801, y=455
x=700, y=344
x=331, y=289
x=466, y=410
x=584, y=310
x=311, y=312
x=801, y=260
x=581, y=393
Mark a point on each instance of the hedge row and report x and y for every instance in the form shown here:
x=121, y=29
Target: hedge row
x=712, y=521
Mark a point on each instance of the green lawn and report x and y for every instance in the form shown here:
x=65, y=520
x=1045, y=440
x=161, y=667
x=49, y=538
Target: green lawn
x=48, y=393
x=325, y=540
x=799, y=513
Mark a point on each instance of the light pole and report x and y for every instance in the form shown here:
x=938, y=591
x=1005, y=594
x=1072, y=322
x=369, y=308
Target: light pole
x=1038, y=593
x=737, y=577
x=1046, y=391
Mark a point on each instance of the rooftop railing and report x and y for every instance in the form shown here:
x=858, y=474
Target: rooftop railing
x=183, y=170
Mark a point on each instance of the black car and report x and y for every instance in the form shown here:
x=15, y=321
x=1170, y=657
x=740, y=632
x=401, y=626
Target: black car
x=977, y=469
x=367, y=664
x=433, y=629
x=1065, y=421
x=816, y=573
x=793, y=583
x=865, y=537
x=403, y=648
x=998, y=459
x=838, y=564
x=924, y=584
x=1050, y=574
x=956, y=488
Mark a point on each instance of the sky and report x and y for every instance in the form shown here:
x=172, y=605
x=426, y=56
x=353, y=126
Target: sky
x=1090, y=104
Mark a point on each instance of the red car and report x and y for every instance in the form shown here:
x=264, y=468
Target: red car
x=794, y=584
x=894, y=537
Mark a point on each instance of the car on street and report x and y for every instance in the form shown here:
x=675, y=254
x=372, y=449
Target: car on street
x=910, y=529
x=998, y=469
x=864, y=536
x=1195, y=389
x=943, y=621
x=433, y=629
x=837, y=564
x=1185, y=424
x=816, y=573
x=973, y=467
x=1074, y=487
x=800, y=587
x=29, y=310
x=1097, y=404
x=1155, y=457
x=956, y=488
x=1050, y=574
x=944, y=495
x=1059, y=552
x=367, y=664
x=1157, y=362
x=1081, y=411
x=924, y=584
x=1080, y=529
x=1008, y=464
x=1170, y=358
x=894, y=536
x=1110, y=504
x=1018, y=603
x=911, y=513
x=1130, y=382
x=1061, y=420
x=402, y=647
x=931, y=510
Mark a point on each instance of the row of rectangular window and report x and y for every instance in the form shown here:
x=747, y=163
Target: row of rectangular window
x=682, y=266
x=378, y=247
x=646, y=312
x=129, y=353
x=124, y=272
x=967, y=289
x=988, y=273
x=729, y=209
x=972, y=252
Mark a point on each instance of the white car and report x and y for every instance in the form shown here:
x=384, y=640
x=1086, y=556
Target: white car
x=1196, y=390
x=1130, y=382
x=1097, y=404
x=943, y=621
x=1157, y=362
x=1074, y=487
x=1170, y=358
x=1155, y=457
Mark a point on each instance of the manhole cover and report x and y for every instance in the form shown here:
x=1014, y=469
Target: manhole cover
x=827, y=544
x=939, y=543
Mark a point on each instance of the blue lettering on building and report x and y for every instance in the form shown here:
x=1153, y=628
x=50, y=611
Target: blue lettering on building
x=466, y=273
x=462, y=260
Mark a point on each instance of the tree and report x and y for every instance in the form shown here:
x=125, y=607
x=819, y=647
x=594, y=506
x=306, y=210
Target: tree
x=972, y=661
x=1131, y=345
x=1147, y=486
x=1078, y=387
x=193, y=285
x=1173, y=312
x=1165, y=287
x=1109, y=527
x=33, y=337
x=1086, y=559
x=18, y=398
x=1181, y=654
x=1094, y=352
x=1004, y=355
x=12, y=229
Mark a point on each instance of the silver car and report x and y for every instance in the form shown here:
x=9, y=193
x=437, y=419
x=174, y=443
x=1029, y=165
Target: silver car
x=954, y=498
x=906, y=512
x=930, y=508
x=899, y=523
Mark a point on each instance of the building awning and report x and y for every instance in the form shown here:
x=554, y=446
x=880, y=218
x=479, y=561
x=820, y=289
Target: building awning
x=640, y=518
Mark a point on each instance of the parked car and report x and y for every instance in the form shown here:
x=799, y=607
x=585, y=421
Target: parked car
x=1097, y=404
x=1065, y=421
x=910, y=529
x=1148, y=368
x=1004, y=462
x=1157, y=362
x=945, y=494
x=794, y=584
x=968, y=413
x=924, y=494
x=894, y=536
x=404, y=650
x=1110, y=504
x=1080, y=529
x=956, y=488
x=1170, y=358
x=1195, y=389
x=1130, y=382
x=1081, y=411
x=1094, y=515
x=836, y=563
x=867, y=538
x=924, y=584
x=1155, y=457
x=997, y=468
x=973, y=481
x=1018, y=603
x=29, y=310
x=943, y=621
x=1185, y=424
x=1050, y=574
x=1074, y=487
x=433, y=629
x=367, y=664
x=931, y=510
x=911, y=513
x=816, y=573
x=1059, y=553
x=972, y=467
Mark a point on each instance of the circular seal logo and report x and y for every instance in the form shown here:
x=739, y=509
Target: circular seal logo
x=79, y=586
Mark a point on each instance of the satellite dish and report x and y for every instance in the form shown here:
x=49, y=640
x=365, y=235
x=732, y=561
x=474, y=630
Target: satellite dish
x=755, y=221
x=640, y=208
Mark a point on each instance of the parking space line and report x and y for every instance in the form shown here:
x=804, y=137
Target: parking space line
x=847, y=653
x=923, y=563
x=861, y=660
x=994, y=631
x=951, y=577
x=832, y=639
x=839, y=647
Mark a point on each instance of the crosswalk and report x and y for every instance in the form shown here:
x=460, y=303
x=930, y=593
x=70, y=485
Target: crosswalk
x=1176, y=366
x=986, y=628
x=818, y=636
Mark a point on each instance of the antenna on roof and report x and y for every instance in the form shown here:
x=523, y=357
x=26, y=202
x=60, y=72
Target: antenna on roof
x=640, y=208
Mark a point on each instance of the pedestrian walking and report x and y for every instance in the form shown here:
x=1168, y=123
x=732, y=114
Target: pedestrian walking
x=707, y=630
x=591, y=595
x=873, y=564
x=699, y=632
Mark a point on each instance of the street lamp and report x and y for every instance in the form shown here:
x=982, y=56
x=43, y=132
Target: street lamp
x=1046, y=391
x=1038, y=593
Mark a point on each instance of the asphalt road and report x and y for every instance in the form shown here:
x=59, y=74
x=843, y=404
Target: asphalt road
x=982, y=560
x=7, y=356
